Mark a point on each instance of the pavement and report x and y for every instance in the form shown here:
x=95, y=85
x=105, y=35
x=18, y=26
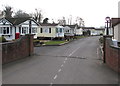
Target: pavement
x=77, y=62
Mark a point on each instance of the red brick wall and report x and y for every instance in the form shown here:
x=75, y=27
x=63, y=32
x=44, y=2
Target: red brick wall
x=21, y=48
x=112, y=55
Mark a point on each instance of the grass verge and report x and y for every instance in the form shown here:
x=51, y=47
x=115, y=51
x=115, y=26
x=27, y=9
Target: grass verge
x=54, y=42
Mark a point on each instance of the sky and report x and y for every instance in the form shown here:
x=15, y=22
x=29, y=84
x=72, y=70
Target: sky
x=93, y=12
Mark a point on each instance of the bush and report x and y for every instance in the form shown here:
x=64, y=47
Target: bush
x=2, y=39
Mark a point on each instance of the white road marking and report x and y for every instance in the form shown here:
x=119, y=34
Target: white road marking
x=66, y=58
x=62, y=65
x=74, y=52
x=51, y=84
x=97, y=52
x=59, y=70
x=64, y=61
x=55, y=77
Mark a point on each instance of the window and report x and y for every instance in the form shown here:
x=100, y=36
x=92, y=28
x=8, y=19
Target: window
x=60, y=30
x=41, y=30
x=0, y=30
x=56, y=30
x=34, y=30
x=24, y=30
x=20, y=29
x=4, y=30
x=46, y=30
x=7, y=30
x=49, y=30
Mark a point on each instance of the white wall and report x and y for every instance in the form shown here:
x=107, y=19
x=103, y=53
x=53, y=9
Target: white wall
x=116, y=32
x=79, y=31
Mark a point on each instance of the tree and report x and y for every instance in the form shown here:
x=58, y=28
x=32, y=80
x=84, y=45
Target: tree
x=45, y=21
x=62, y=21
x=37, y=15
x=8, y=11
x=20, y=14
x=80, y=21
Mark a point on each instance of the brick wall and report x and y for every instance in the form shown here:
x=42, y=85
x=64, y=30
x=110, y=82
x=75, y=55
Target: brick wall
x=111, y=54
x=21, y=48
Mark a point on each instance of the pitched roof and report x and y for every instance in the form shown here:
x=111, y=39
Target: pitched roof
x=88, y=27
x=115, y=21
x=71, y=26
x=99, y=28
x=48, y=24
x=17, y=21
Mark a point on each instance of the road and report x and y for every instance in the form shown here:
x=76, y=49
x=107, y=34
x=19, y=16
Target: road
x=75, y=63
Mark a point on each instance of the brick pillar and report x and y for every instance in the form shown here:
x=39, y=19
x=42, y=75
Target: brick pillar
x=31, y=51
x=30, y=42
x=104, y=47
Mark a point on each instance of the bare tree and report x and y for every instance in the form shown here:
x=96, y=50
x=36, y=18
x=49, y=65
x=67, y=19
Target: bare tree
x=80, y=21
x=20, y=14
x=38, y=15
x=62, y=21
x=8, y=11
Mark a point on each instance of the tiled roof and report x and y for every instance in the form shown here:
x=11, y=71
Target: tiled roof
x=17, y=21
x=115, y=21
x=88, y=27
x=71, y=26
x=48, y=24
x=99, y=28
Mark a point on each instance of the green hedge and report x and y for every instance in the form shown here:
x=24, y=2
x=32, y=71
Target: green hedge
x=2, y=39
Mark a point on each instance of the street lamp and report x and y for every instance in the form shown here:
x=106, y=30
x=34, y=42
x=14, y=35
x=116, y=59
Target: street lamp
x=108, y=23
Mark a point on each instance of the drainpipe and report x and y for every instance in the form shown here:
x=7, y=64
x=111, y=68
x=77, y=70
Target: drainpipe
x=29, y=37
x=30, y=26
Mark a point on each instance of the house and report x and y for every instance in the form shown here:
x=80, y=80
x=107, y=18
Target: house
x=50, y=31
x=89, y=31
x=100, y=31
x=10, y=28
x=73, y=28
x=68, y=31
x=116, y=29
x=79, y=31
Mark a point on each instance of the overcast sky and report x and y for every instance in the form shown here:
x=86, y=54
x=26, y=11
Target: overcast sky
x=92, y=11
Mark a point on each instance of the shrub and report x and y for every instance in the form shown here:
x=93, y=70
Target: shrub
x=2, y=39
x=35, y=42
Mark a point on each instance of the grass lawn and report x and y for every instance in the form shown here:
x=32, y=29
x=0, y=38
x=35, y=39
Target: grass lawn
x=78, y=37
x=54, y=42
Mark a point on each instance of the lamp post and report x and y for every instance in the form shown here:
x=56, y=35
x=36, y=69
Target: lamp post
x=108, y=24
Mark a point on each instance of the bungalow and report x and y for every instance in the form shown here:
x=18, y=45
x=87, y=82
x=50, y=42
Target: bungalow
x=79, y=31
x=89, y=31
x=116, y=29
x=12, y=28
x=50, y=31
x=73, y=29
x=100, y=31
x=68, y=31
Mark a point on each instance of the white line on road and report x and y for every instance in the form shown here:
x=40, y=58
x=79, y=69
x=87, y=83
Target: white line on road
x=62, y=65
x=55, y=77
x=64, y=61
x=66, y=58
x=59, y=70
x=51, y=84
x=74, y=52
x=97, y=52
